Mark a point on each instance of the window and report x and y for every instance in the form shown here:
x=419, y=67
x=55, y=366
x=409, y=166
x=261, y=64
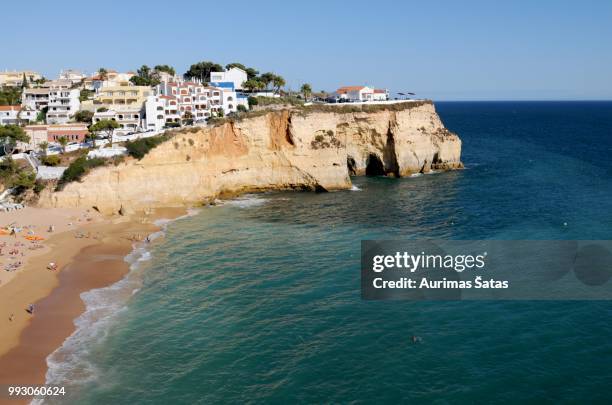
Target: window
x=230, y=98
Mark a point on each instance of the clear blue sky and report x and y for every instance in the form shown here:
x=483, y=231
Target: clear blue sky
x=537, y=49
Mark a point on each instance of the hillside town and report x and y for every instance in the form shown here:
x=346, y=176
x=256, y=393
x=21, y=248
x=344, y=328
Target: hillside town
x=47, y=125
x=146, y=101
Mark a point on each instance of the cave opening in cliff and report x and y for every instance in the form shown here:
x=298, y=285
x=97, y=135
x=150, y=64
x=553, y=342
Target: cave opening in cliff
x=352, y=166
x=374, y=166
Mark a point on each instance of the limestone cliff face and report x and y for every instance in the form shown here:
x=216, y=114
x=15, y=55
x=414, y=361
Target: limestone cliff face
x=312, y=149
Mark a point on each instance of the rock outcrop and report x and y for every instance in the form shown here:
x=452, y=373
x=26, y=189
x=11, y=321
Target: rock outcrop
x=310, y=148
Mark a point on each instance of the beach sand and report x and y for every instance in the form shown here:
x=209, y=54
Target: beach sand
x=84, y=263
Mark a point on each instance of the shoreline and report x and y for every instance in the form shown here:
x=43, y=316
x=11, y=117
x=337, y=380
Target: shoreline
x=27, y=341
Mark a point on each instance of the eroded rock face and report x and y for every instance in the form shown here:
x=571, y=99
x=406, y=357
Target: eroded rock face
x=288, y=149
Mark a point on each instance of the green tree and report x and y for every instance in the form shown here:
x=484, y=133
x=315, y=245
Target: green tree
x=85, y=94
x=250, y=85
x=145, y=77
x=105, y=128
x=201, y=70
x=306, y=91
x=43, y=146
x=63, y=141
x=165, y=68
x=24, y=82
x=253, y=101
x=278, y=82
x=91, y=137
x=10, y=135
x=102, y=109
x=42, y=115
x=267, y=78
x=13, y=132
x=84, y=116
x=10, y=96
x=103, y=73
x=241, y=108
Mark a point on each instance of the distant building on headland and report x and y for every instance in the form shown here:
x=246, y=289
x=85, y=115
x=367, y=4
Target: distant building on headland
x=361, y=94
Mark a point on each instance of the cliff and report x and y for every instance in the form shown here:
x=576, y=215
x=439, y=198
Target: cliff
x=310, y=148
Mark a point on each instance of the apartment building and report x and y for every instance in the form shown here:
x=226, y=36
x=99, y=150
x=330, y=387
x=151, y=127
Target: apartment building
x=63, y=104
x=192, y=100
x=129, y=118
x=36, y=98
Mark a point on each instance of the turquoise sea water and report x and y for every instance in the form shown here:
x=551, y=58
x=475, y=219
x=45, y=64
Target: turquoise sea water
x=257, y=300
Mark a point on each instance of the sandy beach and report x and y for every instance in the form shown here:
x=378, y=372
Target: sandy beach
x=89, y=251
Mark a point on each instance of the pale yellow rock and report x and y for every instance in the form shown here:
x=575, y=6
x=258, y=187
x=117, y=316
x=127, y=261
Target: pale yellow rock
x=288, y=149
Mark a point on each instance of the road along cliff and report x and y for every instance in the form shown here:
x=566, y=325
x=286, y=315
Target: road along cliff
x=309, y=148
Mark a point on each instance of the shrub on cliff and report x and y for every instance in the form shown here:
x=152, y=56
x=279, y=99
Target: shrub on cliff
x=52, y=160
x=140, y=147
x=78, y=169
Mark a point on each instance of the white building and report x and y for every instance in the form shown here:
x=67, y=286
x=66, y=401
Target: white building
x=234, y=75
x=155, y=117
x=130, y=119
x=74, y=76
x=361, y=94
x=16, y=114
x=35, y=99
x=63, y=104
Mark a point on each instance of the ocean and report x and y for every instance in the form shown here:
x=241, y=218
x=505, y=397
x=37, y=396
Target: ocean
x=257, y=299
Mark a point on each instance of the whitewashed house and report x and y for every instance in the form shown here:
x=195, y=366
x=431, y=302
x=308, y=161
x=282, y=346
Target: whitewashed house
x=155, y=117
x=63, y=104
x=235, y=76
x=35, y=99
x=16, y=114
x=74, y=76
x=361, y=94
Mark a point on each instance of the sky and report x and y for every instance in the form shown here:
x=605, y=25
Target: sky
x=443, y=50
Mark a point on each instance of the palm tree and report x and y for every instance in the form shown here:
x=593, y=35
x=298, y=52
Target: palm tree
x=306, y=91
x=259, y=85
x=63, y=141
x=103, y=73
x=267, y=78
x=250, y=84
x=278, y=83
x=43, y=148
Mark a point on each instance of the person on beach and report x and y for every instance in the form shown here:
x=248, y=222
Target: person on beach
x=11, y=317
x=30, y=309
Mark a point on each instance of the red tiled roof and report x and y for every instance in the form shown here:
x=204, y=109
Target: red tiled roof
x=349, y=88
x=10, y=107
x=379, y=91
x=168, y=97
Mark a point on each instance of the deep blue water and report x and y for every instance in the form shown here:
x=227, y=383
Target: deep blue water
x=258, y=300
